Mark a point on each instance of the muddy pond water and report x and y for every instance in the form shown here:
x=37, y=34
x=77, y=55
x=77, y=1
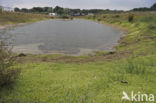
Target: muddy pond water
x=76, y=37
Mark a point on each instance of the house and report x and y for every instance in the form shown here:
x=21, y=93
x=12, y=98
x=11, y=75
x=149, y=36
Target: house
x=77, y=14
x=52, y=14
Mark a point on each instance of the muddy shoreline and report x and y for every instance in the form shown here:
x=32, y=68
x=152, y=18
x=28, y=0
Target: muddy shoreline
x=2, y=27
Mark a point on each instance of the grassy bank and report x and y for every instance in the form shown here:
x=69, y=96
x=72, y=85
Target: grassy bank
x=7, y=18
x=92, y=78
x=140, y=38
x=48, y=82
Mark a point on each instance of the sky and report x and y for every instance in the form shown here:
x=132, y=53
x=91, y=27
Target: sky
x=82, y=4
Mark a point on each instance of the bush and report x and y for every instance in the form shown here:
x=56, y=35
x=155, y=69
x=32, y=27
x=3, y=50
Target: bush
x=7, y=74
x=104, y=16
x=64, y=17
x=94, y=17
x=131, y=18
x=99, y=19
x=116, y=16
x=152, y=26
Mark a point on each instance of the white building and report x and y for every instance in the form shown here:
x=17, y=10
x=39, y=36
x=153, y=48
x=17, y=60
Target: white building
x=52, y=14
x=77, y=14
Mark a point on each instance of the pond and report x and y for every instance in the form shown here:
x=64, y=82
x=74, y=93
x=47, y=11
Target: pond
x=76, y=37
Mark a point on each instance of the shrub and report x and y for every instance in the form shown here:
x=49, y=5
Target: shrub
x=116, y=16
x=131, y=18
x=7, y=74
x=89, y=17
x=152, y=26
x=94, y=17
x=99, y=19
x=71, y=18
x=104, y=16
x=65, y=17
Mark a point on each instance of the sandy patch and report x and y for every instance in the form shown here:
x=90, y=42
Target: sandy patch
x=29, y=48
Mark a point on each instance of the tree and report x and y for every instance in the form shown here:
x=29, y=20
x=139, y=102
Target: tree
x=16, y=9
x=47, y=9
x=38, y=9
x=153, y=7
x=84, y=11
x=25, y=10
x=67, y=11
x=59, y=10
x=50, y=9
x=142, y=9
x=1, y=9
x=76, y=11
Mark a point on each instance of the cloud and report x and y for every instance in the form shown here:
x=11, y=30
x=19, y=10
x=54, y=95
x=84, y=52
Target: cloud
x=86, y=4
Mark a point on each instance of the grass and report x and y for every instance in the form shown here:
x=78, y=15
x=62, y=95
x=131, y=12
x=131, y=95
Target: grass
x=7, y=18
x=85, y=83
x=92, y=78
x=140, y=33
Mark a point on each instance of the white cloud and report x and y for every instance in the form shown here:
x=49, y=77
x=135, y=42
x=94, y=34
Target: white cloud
x=102, y=4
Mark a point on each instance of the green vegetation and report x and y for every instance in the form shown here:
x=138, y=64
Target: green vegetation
x=141, y=33
x=130, y=18
x=0, y=10
x=35, y=10
x=92, y=78
x=64, y=11
x=77, y=12
x=8, y=75
x=45, y=82
x=15, y=18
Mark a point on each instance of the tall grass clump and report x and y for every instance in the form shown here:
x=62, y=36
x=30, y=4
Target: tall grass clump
x=139, y=65
x=131, y=18
x=152, y=26
x=7, y=74
x=116, y=16
x=134, y=67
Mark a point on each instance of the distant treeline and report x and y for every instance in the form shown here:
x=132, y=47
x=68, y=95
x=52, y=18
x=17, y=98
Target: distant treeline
x=68, y=11
x=152, y=8
x=64, y=11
